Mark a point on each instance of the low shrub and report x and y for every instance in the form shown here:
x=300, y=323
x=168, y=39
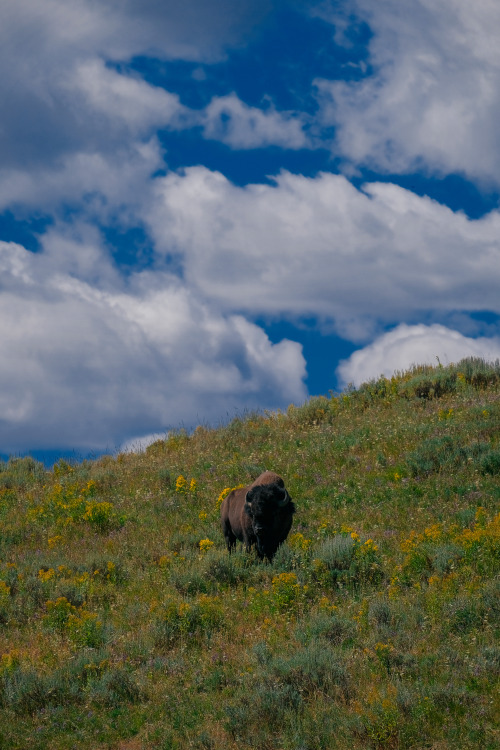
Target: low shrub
x=190, y=581
x=265, y=709
x=313, y=668
x=335, y=628
x=21, y=473
x=85, y=629
x=24, y=691
x=344, y=559
x=102, y=516
x=182, y=620
x=114, y=687
x=226, y=570
x=490, y=462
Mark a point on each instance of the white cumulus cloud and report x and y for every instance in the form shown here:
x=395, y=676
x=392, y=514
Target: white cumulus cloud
x=140, y=443
x=233, y=122
x=430, y=98
x=318, y=246
x=59, y=95
x=86, y=364
x=409, y=345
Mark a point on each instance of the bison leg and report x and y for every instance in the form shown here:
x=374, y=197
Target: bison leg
x=229, y=537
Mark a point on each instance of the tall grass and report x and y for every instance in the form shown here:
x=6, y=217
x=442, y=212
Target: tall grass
x=124, y=623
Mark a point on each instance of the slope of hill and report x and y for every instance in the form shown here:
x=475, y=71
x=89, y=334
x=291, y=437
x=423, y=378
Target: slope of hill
x=124, y=623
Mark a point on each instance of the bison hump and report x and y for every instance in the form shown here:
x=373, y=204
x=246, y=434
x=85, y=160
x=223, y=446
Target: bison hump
x=268, y=477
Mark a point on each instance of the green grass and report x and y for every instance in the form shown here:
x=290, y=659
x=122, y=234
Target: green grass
x=125, y=624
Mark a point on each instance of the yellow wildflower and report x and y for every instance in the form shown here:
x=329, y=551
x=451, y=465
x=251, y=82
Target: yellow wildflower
x=9, y=662
x=205, y=544
x=54, y=541
x=299, y=542
x=181, y=484
x=4, y=592
x=46, y=575
x=433, y=532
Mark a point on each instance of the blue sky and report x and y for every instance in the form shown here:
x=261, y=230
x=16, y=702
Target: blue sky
x=210, y=207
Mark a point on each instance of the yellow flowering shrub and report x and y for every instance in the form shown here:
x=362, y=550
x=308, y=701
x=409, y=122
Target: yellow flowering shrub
x=380, y=715
x=481, y=544
x=444, y=414
x=184, y=486
x=367, y=561
x=55, y=541
x=299, y=542
x=182, y=619
x=205, y=544
x=384, y=652
x=85, y=629
x=326, y=605
x=58, y=612
x=82, y=580
x=46, y=575
x=9, y=662
x=225, y=492
x=4, y=593
x=164, y=561
x=70, y=503
x=62, y=468
x=286, y=590
x=102, y=516
x=181, y=484
x=478, y=547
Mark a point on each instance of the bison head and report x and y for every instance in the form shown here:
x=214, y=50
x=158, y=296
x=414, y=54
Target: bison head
x=270, y=509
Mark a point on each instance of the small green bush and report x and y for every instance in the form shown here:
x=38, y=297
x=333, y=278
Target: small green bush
x=21, y=473
x=313, y=668
x=191, y=581
x=443, y=454
x=445, y=557
x=182, y=620
x=265, y=708
x=102, y=516
x=24, y=691
x=347, y=560
x=431, y=386
x=336, y=553
x=337, y=629
x=490, y=462
x=114, y=687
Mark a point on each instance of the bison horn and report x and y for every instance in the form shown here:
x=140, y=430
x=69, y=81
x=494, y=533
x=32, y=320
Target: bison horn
x=285, y=500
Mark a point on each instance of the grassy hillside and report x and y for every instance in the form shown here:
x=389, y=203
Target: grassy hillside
x=124, y=623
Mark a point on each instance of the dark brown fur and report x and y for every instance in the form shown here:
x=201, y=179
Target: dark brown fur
x=256, y=515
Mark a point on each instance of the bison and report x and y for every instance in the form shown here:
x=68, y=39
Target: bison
x=259, y=514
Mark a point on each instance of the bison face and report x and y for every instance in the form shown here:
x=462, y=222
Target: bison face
x=270, y=509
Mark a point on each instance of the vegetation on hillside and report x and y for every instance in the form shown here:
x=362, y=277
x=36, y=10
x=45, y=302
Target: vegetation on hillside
x=124, y=623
